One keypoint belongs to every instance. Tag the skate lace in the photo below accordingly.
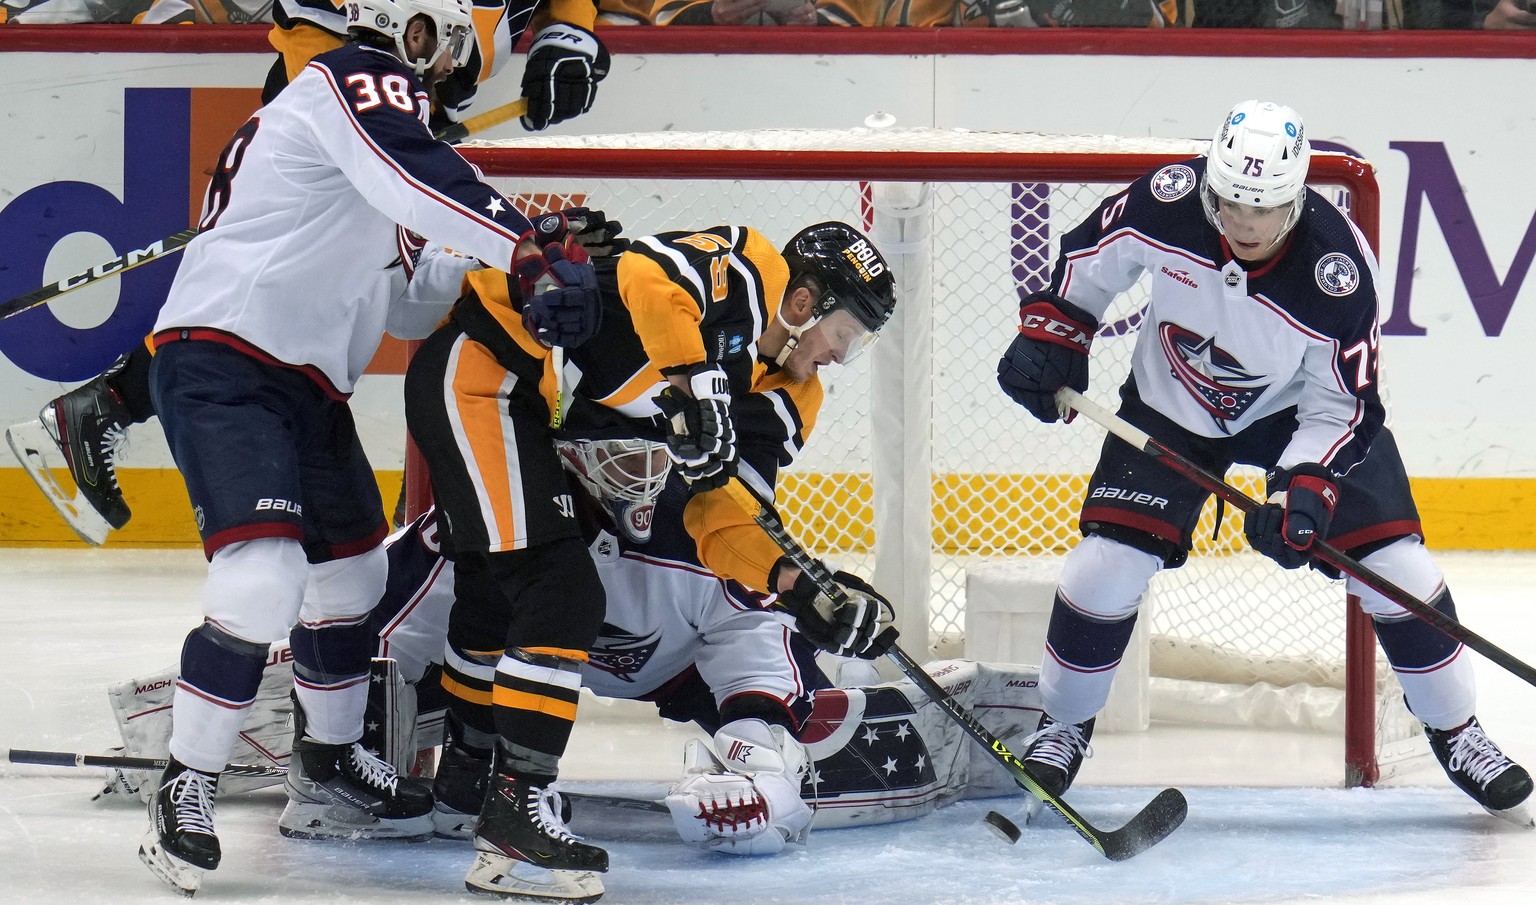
(373, 771)
(544, 808)
(1057, 744)
(114, 443)
(1476, 756)
(192, 795)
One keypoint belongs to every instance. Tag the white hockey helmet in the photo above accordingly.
(1259, 157)
(625, 476)
(452, 21)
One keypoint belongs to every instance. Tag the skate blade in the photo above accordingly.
(315, 821)
(172, 871)
(508, 878)
(32, 445)
(1519, 815)
(1034, 811)
(449, 824)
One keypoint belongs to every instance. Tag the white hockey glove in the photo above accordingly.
(701, 435)
(746, 800)
(860, 627)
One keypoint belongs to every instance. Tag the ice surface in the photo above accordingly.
(72, 622)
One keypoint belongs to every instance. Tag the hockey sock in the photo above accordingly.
(220, 675)
(1081, 656)
(330, 675)
(1437, 682)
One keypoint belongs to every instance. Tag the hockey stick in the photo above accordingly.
(120, 762)
(152, 252)
(1151, 824)
(171, 244)
(1324, 552)
(457, 132)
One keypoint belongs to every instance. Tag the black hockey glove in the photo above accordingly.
(701, 435)
(595, 232)
(561, 303)
(565, 63)
(1297, 513)
(859, 627)
(1049, 352)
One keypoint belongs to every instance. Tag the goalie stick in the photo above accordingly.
(1148, 827)
(123, 762)
(120, 762)
(1071, 399)
(154, 251)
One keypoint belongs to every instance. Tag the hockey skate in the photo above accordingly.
(1054, 753)
(523, 849)
(345, 792)
(181, 844)
(87, 427)
(459, 788)
(1477, 766)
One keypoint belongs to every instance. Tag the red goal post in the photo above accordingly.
(919, 470)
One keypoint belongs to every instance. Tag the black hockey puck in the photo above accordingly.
(1004, 828)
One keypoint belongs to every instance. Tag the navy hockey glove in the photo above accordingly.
(701, 435)
(1297, 513)
(561, 302)
(859, 627)
(1049, 352)
(565, 63)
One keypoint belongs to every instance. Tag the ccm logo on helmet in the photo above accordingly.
(865, 258)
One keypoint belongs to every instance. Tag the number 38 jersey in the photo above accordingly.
(296, 260)
(1221, 346)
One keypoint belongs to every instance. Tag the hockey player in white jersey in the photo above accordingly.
(278, 306)
(1258, 346)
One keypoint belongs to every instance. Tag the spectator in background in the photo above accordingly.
(734, 12)
(1452, 14)
(625, 12)
(1266, 14)
(1001, 13)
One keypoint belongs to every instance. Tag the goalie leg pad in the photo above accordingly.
(742, 798)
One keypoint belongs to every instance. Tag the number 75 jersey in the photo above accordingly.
(1222, 346)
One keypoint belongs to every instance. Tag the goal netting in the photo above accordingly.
(920, 471)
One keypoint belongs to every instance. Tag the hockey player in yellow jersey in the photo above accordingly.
(710, 340)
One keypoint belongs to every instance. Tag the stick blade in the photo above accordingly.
(1151, 825)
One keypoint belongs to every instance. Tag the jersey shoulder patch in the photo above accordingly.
(1173, 182)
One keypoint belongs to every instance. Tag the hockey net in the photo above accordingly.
(919, 470)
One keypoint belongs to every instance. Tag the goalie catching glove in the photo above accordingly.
(701, 436)
(1297, 514)
(565, 63)
(742, 797)
(561, 302)
(1049, 352)
(858, 627)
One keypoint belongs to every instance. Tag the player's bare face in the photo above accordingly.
(1253, 232)
(838, 337)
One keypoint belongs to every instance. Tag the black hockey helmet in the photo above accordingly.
(852, 272)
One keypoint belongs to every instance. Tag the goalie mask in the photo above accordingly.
(854, 281)
(1256, 171)
(625, 476)
(452, 24)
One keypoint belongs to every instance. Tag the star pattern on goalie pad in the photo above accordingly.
(495, 207)
(887, 753)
